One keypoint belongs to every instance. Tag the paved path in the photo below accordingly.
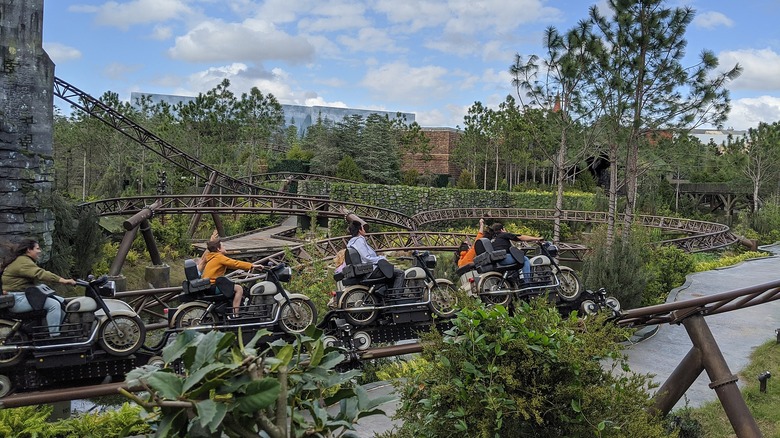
(738, 333)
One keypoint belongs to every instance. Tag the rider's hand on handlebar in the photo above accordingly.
(258, 265)
(69, 281)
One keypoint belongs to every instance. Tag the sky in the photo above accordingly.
(433, 58)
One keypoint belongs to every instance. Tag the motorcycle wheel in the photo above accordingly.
(7, 336)
(359, 298)
(123, 337)
(444, 298)
(193, 316)
(491, 282)
(296, 315)
(570, 287)
(5, 386)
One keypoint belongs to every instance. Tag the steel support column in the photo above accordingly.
(722, 381)
(196, 217)
(678, 382)
(121, 255)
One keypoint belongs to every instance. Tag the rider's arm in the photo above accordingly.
(32, 271)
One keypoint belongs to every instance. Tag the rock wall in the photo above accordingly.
(26, 117)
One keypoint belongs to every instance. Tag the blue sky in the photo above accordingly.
(434, 58)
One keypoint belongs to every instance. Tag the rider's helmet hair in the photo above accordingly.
(355, 227)
(213, 245)
(463, 247)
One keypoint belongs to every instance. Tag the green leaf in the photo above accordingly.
(207, 350)
(601, 426)
(166, 384)
(259, 395)
(210, 414)
(183, 341)
(317, 354)
(575, 406)
(444, 361)
(284, 355)
(196, 377)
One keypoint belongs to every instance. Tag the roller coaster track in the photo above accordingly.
(149, 140)
(294, 176)
(231, 204)
(701, 235)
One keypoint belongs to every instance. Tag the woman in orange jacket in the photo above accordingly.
(217, 263)
(467, 255)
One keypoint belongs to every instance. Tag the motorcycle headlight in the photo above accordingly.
(108, 290)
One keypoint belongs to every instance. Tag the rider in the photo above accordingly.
(367, 254)
(467, 254)
(22, 272)
(502, 239)
(217, 263)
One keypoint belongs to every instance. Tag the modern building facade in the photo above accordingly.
(300, 116)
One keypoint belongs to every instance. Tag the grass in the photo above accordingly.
(765, 407)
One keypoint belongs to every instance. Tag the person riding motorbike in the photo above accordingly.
(502, 240)
(217, 263)
(22, 272)
(367, 254)
(466, 255)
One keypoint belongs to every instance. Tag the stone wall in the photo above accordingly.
(26, 117)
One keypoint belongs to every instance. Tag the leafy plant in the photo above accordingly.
(243, 390)
(531, 374)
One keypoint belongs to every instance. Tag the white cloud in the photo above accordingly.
(333, 16)
(161, 33)
(252, 40)
(243, 77)
(370, 39)
(60, 53)
(711, 20)
(117, 71)
(124, 15)
(761, 68)
(748, 112)
(400, 82)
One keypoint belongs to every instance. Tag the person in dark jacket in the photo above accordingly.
(23, 272)
(502, 239)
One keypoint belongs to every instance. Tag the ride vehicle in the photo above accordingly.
(267, 305)
(499, 284)
(594, 302)
(373, 303)
(95, 327)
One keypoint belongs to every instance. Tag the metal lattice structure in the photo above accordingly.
(701, 235)
(235, 204)
(149, 140)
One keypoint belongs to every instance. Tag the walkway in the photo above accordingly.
(738, 333)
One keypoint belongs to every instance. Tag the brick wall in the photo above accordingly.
(443, 141)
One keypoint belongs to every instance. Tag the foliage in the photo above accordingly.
(32, 421)
(767, 221)
(466, 181)
(348, 169)
(619, 268)
(529, 374)
(728, 260)
(410, 177)
(401, 368)
(667, 268)
(245, 390)
(76, 241)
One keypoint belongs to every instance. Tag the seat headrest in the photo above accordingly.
(191, 270)
(483, 245)
(352, 257)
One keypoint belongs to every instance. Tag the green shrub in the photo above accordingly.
(531, 374)
(32, 422)
(620, 268)
(667, 268)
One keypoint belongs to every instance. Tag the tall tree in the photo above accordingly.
(642, 84)
(556, 82)
(762, 150)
